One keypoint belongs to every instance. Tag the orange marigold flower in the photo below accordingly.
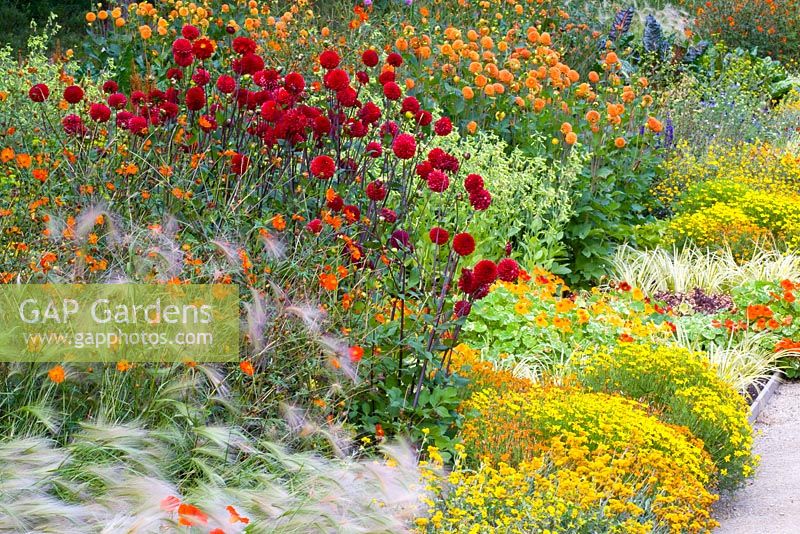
(328, 281)
(189, 515)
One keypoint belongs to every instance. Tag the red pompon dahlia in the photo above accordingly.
(473, 183)
(443, 127)
(466, 282)
(329, 59)
(190, 32)
(484, 272)
(394, 59)
(388, 215)
(201, 77)
(110, 86)
(73, 125)
(323, 167)
(400, 240)
(404, 146)
(99, 112)
(374, 149)
(117, 100)
(438, 182)
(462, 308)
(73, 94)
(386, 77)
(336, 79)
(508, 270)
(182, 52)
(392, 91)
(464, 244)
(39, 92)
(376, 191)
(244, 45)
(226, 84)
(137, 125)
(240, 163)
(370, 58)
(438, 236)
(314, 226)
(195, 98)
(480, 200)
(294, 83)
(409, 104)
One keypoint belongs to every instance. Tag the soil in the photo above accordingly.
(769, 503)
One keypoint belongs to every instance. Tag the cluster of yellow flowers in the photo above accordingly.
(686, 390)
(735, 195)
(537, 448)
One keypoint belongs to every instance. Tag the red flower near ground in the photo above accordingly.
(438, 236)
(329, 59)
(438, 182)
(239, 163)
(189, 516)
(480, 200)
(370, 58)
(39, 92)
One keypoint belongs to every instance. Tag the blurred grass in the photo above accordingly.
(16, 16)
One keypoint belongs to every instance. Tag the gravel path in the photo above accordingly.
(770, 502)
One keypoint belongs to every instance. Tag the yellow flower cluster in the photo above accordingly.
(686, 390)
(642, 470)
(735, 195)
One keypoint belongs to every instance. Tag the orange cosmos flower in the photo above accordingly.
(246, 367)
(189, 516)
(56, 374)
(328, 281)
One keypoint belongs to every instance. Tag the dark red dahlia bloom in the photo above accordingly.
(347, 97)
(390, 129)
(423, 117)
(294, 83)
(443, 127)
(329, 59)
(374, 149)
(376, 191)
(336, 79)
(392, 91)
(362, 77)
(438, 236)
(239, 163)
(244, 45)
(195, 98)
(182, 52)
(409, 104)
(508, 270)
(117, 100)
(138, 97)
(462, 308)
(394, 59)
(122, 119)
(323, 167)
(404, 146)
(369, 113)
(190, 32)
(73, 125)
(248, 64)
(438, 182)
(137, 125)
(226, 84)
(99, 112)
(201, 77)
(321, 126)
(485, 272)
(175, 74)
(473, 183)
(388, 215)
(386, 77)
(480, 200)
(481, 291)
(73, 94)
(110, 86)
(39, 92)
(466, 282)
(464, 244)
(401, 240)
(424, 168)
(314, 226)
(370, 58)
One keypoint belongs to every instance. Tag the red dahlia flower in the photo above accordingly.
(480, 200)
(443, 127)
(508, 270)
(438, 181)
(323, 167)
(376, 191)
(182, 52)
(294, 83)
(110, 86)
(438, 236)
(464, 244)
(226, 84)
(404, 146)
(195, 98)
(73, 94)
(39, 92)
(462, 308)
(473, 183)
(244, 45)
(370, 58)
(329, 59)
(203, 48)
(394, 59)
(314, 226)
(484, 272)
(392, 91)
(73, 125)
(336, 79)
(99, 112)
(190, 32)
